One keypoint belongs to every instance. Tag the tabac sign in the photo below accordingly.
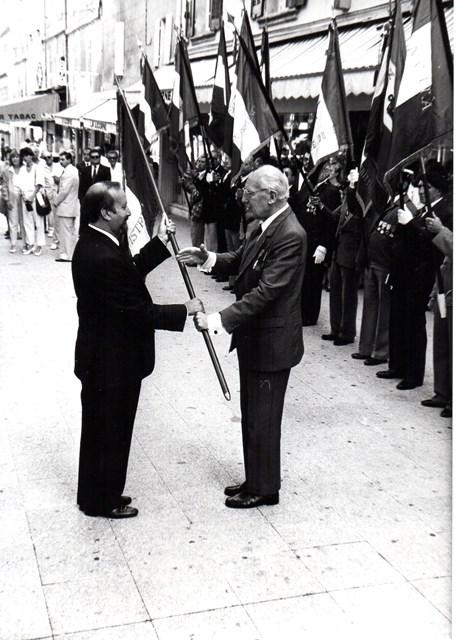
(38, 107)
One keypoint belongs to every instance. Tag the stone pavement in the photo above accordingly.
(357, 549)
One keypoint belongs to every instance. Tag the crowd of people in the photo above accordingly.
(400, 254)
(41, 195)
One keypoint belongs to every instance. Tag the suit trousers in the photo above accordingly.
(197, 232)
(408, 335)
(344, 284)
(232, 241)
(442, 354)
(66, 233)
(262, 401)
(374, 331)
(312, 292)
(108, 416)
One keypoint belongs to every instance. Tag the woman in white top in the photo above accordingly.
(11, 193)
(33, 223)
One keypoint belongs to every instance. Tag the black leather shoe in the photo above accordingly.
(372, 362)
(339, 342)
(434, 402)
(388, 374)
(228, 288)
(234, 489)
(446, 412)
(405, 385)
(118, 513)
(359, 356)
(248, 501)
(328, 336)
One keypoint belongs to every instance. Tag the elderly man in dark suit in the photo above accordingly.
(115, 344)
(265, 323)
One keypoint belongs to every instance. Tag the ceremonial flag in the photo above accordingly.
(265, 60)
(254, 117)
(370, 188)
(153, 114)
(332, 131)
(184, 110)
(140, 196)
(423, 108)
(221, 94)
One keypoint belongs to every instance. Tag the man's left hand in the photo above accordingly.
(433, 224)
(201, 321)
(165, 228)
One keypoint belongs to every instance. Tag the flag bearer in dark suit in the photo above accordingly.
(265, 323)
(115, 344)
(414, 265)
(344, 272)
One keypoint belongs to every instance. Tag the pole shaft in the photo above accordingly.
(174, 244)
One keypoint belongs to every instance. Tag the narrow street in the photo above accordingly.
(357, 549)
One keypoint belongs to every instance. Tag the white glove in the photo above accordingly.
(209, 177)
(404, 216)
(353, 177)
(319, 254)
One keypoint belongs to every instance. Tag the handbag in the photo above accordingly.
(43, 206)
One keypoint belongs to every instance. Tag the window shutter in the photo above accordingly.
(215, 15)
(156, 44)
(257, 8)
(292, 4)
(190, 18)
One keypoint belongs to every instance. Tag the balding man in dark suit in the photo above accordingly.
(115, 344)
(265, 324)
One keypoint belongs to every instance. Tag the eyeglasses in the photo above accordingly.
(249, 193)
(94, 157)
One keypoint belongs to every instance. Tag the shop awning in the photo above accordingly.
(38, 107)
(72, 116)
(98, 112)
(102, 118)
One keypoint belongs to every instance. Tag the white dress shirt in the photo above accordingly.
(105, 233)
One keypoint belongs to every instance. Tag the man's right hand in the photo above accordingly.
(193, 306)
(193, 256)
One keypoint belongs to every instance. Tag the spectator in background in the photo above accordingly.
(85, 162)
(67, 208)
(115, 166)
(11, 193)
(96, 172)
(33, 223)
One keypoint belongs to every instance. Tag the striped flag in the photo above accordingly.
(423, 109)
(184, 110)
(254, 117)
(221, 94)
(153, 114)
(140, 198)
(332, 131)
(370, 188)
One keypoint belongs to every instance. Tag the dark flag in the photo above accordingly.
(139, 191)
(423, 109)
(153, 114)
(221, 94)
(184, 110)
(371, 191)
(332, 130)
(254, 117)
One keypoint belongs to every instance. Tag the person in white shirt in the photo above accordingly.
(33, 223)
(67, 208)
(11, 194)
(115, 166)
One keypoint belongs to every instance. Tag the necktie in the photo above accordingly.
(94, 172)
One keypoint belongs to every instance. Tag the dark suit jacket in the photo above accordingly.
(85, 178)
(117, 317)
(265, 320)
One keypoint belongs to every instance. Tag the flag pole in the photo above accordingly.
(174, 244)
